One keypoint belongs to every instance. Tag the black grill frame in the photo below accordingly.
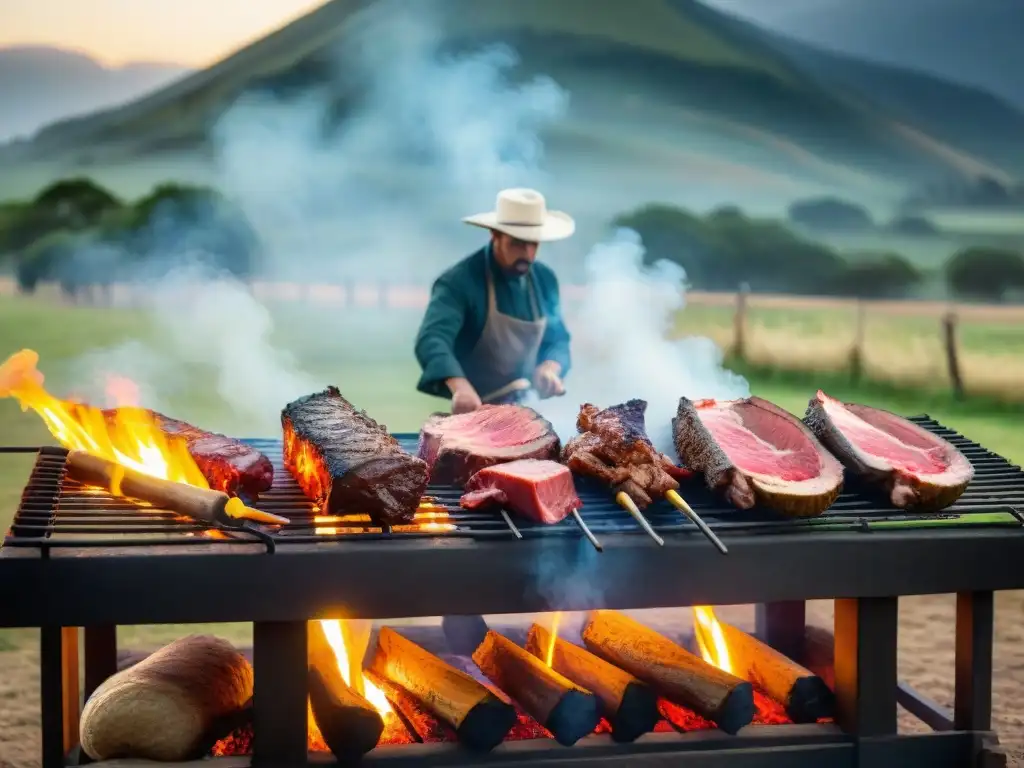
(46, 583)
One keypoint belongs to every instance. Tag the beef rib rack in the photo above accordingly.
(456, 447)
(920, 471)
(757, 453)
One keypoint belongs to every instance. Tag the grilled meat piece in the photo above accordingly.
(537, 489)
(456, 447)
(613, 447)
(347, 463)
(229, 465)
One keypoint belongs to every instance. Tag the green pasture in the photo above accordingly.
(380, 379)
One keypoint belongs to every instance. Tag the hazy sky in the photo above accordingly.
(192, 32)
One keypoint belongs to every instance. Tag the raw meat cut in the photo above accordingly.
(757, 453)
(613, 447)
(919, 470)
(228, 465)
(538, 489)
(457, 447)
(347, 463)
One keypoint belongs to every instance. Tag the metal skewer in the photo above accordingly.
(586, 531)
(679, 503)
(624, 501)
(510, 524)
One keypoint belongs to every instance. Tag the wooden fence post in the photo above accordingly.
(857, 350)
(739, 339)
(949, 326)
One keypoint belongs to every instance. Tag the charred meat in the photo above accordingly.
(457, 447)
(347, 463)
(228, 465)
(612, 446)
(754, 452)
(918, 470)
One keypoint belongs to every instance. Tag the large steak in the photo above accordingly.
(347, 463)
(538, 489)
(919, 470)
(757, 453)
(457, 447)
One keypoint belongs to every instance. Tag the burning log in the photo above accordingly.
(349, 724)
(567, 710)
(671, 669)
(167, 706)
(630, 706)
(805, 696)
(480, 719)
(202, 504)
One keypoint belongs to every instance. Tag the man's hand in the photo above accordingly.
(464, 396)
(547, 379)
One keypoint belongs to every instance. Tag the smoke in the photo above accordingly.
(363, 178)
(622, 346)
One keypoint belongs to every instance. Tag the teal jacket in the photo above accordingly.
(457, 311)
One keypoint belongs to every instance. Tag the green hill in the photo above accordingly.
(668, 85)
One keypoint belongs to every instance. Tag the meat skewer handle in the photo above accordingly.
(679, 503)
(586, 531)
(624, 501)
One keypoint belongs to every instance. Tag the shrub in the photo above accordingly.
(830, 214)
(879, 276)
(984, 273)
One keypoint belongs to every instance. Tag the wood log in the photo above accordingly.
(166, 706)
(671, 670)
(350, 725)
(481, 720)
(805, 696)
(567, 710)
(629, 705)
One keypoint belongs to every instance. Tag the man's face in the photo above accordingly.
(514, 256)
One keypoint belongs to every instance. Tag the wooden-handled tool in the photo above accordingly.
(202, 504)
(519, 385)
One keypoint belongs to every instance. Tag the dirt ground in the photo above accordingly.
(925, 661)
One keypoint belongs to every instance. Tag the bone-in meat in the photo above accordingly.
(228, 465)
(347, 463)
(612, 446)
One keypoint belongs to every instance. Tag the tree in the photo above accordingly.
(830, 214)
(878, 276)
(75, 203)
(984, 273)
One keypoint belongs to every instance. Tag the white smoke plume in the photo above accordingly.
(621, 345)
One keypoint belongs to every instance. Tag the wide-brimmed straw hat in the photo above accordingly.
(524, 214)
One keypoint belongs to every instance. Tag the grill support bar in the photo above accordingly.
(975, 613)
(100, 647)
(59, 699)
(280, 689)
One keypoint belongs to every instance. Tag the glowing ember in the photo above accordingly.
(129, 436)
(429, 517)
(710, 638)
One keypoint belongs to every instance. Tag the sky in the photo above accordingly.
(190, 32)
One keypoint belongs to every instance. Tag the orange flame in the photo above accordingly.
(129, 436)
(340, 634)
(429, 517)
(549, 657)
(710, 638)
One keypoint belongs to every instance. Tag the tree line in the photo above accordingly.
(727, 248)
(78, 234)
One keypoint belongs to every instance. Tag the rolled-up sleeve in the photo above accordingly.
(555, 345)
(435, 342)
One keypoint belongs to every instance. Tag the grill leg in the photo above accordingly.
(59, 693)
(972, 710)
(280, 719)
(783, 626)
(866, 634)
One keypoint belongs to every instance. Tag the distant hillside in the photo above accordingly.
(671, 81)
(974, 42)
(40, 85)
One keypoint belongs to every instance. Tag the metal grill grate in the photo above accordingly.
(55, 512)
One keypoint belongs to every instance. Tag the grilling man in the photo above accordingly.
(493, 327)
